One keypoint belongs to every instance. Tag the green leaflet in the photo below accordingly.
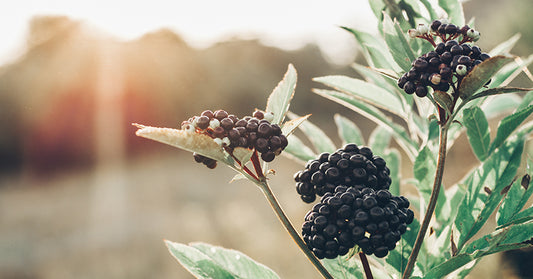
(344, 267)
(393, 158)
(397, 43)
(477, 130)
(399, 256)
(298, 150)
(511, 204)
(454, 9)
(374, 50)
(501, 104)
(498, 171)
(508, 125)
(280, 99)
(348, 131)
(480, 74)
(506, 46)
(373, 114)
(379, 140)
(207, 261)
(318, 138)
(366, 92)
(508, 72)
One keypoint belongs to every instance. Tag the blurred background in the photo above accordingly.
(82, 197)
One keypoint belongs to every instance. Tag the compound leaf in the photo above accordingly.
(207, 261)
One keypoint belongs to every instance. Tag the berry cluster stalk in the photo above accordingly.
(366, 266)
(432, 201)
(290, 228)
(262, 183)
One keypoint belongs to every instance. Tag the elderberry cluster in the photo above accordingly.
(447, 64)
(252, 132)
(349, 166)
(372, 219)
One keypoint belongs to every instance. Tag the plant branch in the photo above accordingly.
(290, 229)
(366, 266)
(432, 201)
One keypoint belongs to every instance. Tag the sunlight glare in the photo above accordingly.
(287, 24)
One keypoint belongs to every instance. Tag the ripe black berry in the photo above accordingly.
(372, 220)
(350, 166)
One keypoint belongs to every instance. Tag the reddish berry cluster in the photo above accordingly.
(373, 220)
(351, 166)
(449, 31)
(252, 132)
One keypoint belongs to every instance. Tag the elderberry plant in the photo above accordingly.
(426, 83)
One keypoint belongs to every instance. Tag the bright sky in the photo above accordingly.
(283, 23)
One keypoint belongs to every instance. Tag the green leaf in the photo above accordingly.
(508, 125)
(431, 10)
(528, 192)
(510, 207)
(480, 74)
(498, 171)
(424, 170)
(397, 43)
(289, 126)
(519, 233)
(523, 216)
(348, 131)
(374, 50)
(343, 267)
(207, 261)
(316, 136)
(508, 238)
(393, 159)
(526, 101)
(510, 71)
(365, 91)
(477, 130)
(501, 104)
(399, 256)
(450, 266)
(505, 47)
(400, 135)
(379, 140)
(298, 150)
(454, 9)
(372, 75)
(377, 6)
(280, 99)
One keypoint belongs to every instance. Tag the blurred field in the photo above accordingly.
(111, 223)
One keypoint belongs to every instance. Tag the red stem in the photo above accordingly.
(257, 164)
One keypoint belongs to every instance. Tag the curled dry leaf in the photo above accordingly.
(193, 142)
(525, 181)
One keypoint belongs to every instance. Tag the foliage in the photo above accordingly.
(498, 185)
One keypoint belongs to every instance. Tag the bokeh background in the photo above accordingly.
(82, 197)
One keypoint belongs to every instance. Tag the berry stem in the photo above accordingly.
(245, 168)
(366, 266)
(257, 165)
(432, 201)
(290, 228)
